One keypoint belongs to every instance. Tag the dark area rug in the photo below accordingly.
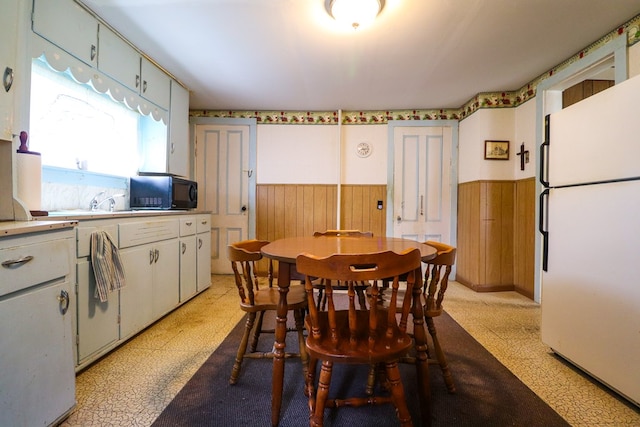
(488, 394)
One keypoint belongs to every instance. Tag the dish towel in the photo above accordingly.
(107, 265)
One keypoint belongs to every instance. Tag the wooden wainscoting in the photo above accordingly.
(485, 235)
(289, 210)
(496, 235)
(359, 211)
(524, 236)
(294, 210)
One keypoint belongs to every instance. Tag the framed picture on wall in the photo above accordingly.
(496, 150)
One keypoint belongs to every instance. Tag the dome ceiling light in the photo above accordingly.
(354, 13)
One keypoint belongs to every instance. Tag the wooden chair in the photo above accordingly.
(318, 285)
(436, 281)
(344, 233)
(351, 336)
(256, 300)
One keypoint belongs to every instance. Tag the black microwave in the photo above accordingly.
(162, 192)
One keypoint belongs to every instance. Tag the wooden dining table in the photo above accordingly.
(285, 252)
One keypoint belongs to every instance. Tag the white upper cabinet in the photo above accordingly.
(119, 60)
(179, 131)
(67, 25)
(154, 84)
(8, 35)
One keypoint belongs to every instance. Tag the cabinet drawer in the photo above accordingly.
(204, 223)
(29, 265)
(139, 233)
(84, 238)
(187, 226)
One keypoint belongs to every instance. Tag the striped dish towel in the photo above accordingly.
(107, 265)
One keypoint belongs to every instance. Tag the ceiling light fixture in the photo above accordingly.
(355, 13)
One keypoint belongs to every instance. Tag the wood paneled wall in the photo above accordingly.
(524, 234)
(358, 209)
(294, 210)
(289, 210)
(495, 235)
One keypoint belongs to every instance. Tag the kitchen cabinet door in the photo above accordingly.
(118, 59)
(155, 84)
(97, 326)
(178, 148)
(136, 295)
(166, 278)
(67, 25)
(188, 286)
(8, 35)
(204, 252)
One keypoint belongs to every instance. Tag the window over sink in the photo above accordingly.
(76, 127)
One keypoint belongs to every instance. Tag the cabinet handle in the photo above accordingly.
(199, 243)
(13, 263)
(157, 255)
(184, 248)
(63, 298)
(144, 86)
(7, 79)
(151, 256)
(204, 222)
(189, 223)
(173, 148)
(93, 52)
(137, 81)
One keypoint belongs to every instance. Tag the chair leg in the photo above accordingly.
(310, 379)
(242, 348)
(256, 333)
(302, 347)
(397, 393)
(442, 361)
(316, 418)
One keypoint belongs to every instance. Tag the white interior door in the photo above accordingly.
(223, 172)
(422, 183)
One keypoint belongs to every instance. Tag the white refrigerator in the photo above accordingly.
(590, 225)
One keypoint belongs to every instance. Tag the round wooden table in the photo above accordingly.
(285, 252)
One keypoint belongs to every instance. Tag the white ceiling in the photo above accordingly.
(419, 54)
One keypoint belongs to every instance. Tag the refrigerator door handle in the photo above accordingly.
(544, 151)
(541, 227)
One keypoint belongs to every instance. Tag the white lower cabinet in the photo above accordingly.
(97, 325)
(160, 274)
(204, 251)
(150, 255)
(37, 378)
(188, 244)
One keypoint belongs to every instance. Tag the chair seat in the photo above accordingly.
(267, 299)
(358, 351)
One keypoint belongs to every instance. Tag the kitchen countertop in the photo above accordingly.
(14, 228)
(87, 215)
(70, 218)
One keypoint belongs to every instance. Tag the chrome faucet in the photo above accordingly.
(94, 204)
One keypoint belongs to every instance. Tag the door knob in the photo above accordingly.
(244, 208)
(398, 218)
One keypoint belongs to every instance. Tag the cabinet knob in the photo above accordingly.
(7, 78)
(63, 299)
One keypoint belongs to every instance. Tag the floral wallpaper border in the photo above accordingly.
(482, 100)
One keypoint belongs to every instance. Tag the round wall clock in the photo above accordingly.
(363, 149)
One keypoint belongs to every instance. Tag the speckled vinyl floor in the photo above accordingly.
(132, 385)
